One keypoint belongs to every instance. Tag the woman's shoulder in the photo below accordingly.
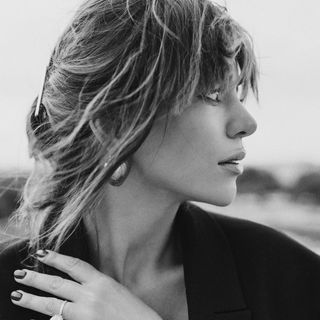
(269, 257)
(260, 239)
(12, 257)
(242, 231)
(12, 253)
(274, 270)
(255, 243)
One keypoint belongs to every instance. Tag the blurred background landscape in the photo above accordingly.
(265, 195)
(280, 186)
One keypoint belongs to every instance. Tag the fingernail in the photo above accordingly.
(19, 274)
(41, 253)
(16, 295)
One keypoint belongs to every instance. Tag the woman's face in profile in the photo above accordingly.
(186, 160)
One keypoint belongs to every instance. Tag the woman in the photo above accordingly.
(141, 112)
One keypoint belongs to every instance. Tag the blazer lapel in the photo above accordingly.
(212, 286)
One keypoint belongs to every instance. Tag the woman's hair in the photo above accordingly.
(118, 67)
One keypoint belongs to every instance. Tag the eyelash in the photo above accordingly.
(217, 100)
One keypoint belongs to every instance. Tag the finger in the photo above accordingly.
(76, 268)
(55, 285)
(45, 305)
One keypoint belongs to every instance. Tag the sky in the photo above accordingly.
(287, 43)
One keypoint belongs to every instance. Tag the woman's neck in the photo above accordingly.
(131, 234)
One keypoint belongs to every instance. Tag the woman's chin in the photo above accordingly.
(224, 203)
(219, 195)
(223, 197)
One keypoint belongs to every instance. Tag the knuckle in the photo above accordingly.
(56, 283)
(105, 281)
(72, 262)
(67, 312)
(91, 299)
(51, 306)
(111, 283)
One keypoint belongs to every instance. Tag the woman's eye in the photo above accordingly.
(213, 97)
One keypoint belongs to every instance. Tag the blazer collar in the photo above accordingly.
(212, 287)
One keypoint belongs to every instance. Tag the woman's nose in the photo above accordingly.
(241, 123)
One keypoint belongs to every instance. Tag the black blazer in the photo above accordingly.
(234, 270)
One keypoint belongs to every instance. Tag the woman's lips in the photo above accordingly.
(232, 164)
(233, 167)
(235, 157)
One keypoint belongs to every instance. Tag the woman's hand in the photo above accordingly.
(92, 296)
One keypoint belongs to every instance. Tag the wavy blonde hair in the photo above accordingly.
(119, 66)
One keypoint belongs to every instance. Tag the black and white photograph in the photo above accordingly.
(159, 160)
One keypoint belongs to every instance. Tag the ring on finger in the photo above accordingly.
(59, 316)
